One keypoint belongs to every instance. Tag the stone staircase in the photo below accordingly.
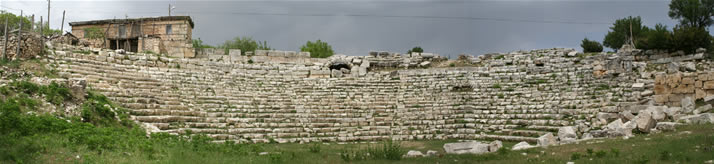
(516, 98)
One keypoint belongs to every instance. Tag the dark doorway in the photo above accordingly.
(131, 45)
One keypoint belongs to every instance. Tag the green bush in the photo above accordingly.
(315, 147)
(658, 38)
(317, 49)
(245, 44)
(389, 150)
(688, 39)
(591, 46)
(416, 49)
(198, 44)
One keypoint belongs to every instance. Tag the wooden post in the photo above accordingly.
(48, 14)
(141, 33)
(19, 36)
(62, 27)
(4, 45)
(32, 24)
(42, 26)
(117, 40)
(42, 36)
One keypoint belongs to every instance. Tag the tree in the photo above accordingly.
(658, 38)
(591, 46)
(13, 22)
(198, 44)
(317, 49)
(693, 13)
(688, 38)
(245, 44)
(415, 49)
(620, 32)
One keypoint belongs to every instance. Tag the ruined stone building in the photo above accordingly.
(166, 35)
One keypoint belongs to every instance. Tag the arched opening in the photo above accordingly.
(339, 66)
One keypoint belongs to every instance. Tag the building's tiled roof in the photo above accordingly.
(121, 21)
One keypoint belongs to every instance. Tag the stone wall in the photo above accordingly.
(671, 89)
(272, 96)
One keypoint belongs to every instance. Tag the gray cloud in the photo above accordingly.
(355, 27)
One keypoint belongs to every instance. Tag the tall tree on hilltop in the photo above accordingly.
(693, 13)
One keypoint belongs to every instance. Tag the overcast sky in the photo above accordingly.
(355, 27)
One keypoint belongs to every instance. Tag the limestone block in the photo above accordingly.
(472, 147)
(522, 146)
(708, 85)
(336, 73)
(261, 53)
(702, 109)
(547, 140)
(660, 99)
(567, 132)
(645, 122)
(703, 118)
(413, 153)
(687, 105)
(666, 126)
(234, 52)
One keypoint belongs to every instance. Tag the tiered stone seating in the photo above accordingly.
(511, 98)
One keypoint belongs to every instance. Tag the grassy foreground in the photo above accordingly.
(103, 134)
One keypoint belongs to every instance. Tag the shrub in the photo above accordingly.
(198, 44)
(317, 49)
(688, 39)
(575, 156)
(388, 150)
(591, 46)
(415, 49)
(315, 147)
(245, 44)
(658, 38)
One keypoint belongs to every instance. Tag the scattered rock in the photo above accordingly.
(413, 153)
(666, 126)
(645, 122)
(687, 105)
(688, 67)
(494, 146)
(430, 153)
(263, 153)
(572, 53)
(701, 50)
(703, 109)
(672, 111)
(522, 145)
(547, 140)
(567, 132)
(709, 99)
(698, 119)
(424, 64)
(472, 147)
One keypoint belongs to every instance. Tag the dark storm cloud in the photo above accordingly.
(354, 27)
